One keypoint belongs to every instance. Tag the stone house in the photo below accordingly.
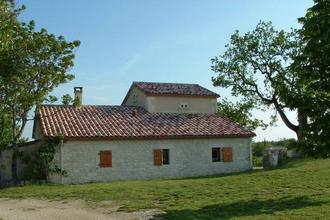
(161, 130)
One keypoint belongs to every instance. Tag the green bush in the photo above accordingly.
(38, 165)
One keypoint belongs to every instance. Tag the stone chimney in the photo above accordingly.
(78, 96)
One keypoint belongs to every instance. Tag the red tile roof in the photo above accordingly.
(174, 89)
(123, 122)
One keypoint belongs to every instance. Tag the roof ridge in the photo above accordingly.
(168, 88)
(166, 83)
(60, 105)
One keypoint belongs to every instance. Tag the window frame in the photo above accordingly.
(167, 160)
(161, 156)
(218, 159)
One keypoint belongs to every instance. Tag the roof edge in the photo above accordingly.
(128, 93)
(158, 137)
(135, 84)
(183, 95)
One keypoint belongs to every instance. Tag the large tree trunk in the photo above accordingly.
(302, 120)
(14, 146)
(302, 123)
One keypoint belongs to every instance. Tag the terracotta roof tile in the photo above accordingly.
(174, 89)
(120, 122)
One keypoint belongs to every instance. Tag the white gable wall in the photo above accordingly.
(139, 100)
(172, 104)
(133, 159)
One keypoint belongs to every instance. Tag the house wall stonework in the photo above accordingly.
(133, 159)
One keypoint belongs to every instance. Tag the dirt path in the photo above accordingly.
(33, 209)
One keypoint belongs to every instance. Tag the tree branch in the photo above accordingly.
(256, 88)
(285, 119)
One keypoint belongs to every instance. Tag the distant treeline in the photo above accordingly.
(258, 147)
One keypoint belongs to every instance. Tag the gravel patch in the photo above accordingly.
(34, 209)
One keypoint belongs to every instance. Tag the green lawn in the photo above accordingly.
(300, 190)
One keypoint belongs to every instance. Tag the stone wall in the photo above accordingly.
(133, 159)
(6, 158)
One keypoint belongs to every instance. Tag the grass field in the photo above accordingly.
(300, 190)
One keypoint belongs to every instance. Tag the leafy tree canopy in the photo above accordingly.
(32, 63)
(313, 67)
(256, 66)
(285, 71)
(240, 112)
(67, 99)
(5, 131)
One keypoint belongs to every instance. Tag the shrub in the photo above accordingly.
(257, 161)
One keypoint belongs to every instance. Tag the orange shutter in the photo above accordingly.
(106, 158)
(157, 157)
(227, 154)
(110, 158)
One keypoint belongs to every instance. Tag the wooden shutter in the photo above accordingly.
(106, 158)
(227, 154)
(157, 157)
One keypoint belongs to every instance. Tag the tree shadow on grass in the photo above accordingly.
(239, 209)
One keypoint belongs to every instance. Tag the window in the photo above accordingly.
(224, 154)
(105, 158)
(216, 157)
(161, 157)
(184, 105)
(166, 156)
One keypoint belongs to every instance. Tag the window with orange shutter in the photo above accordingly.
(105, 158)
(161, 157)
(227, 154)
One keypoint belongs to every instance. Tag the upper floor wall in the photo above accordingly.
(171, 103)
(168, 104)
(135, 97)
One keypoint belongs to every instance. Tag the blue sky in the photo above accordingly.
(153, 40)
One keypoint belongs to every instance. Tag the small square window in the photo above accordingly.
(216, 156)
(184, 105)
